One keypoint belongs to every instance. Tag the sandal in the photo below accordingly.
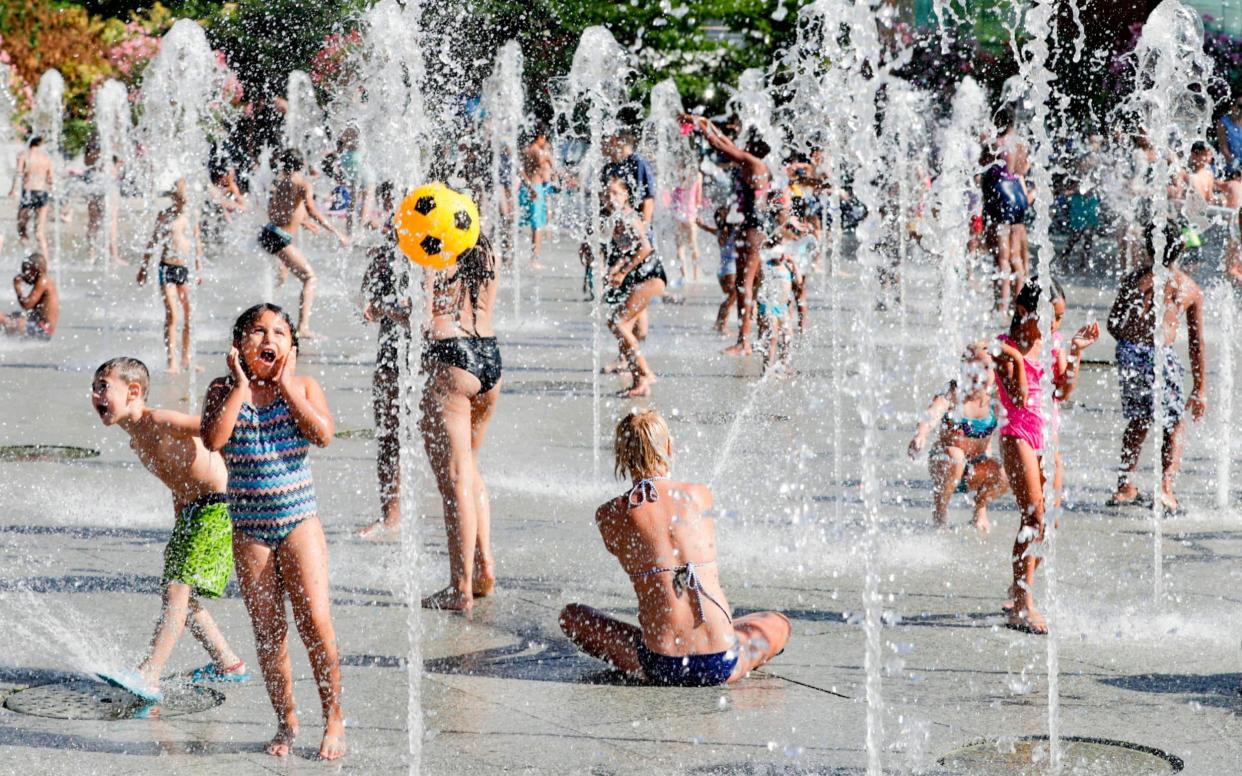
(132, 683)
(209, 673)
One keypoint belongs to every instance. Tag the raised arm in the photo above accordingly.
(307, 403)
(1011, 373)
(1065, 372)
(30, 300)
(179, 423)
(313, 212)
(721, 142)
(935, 411)
(223, 403)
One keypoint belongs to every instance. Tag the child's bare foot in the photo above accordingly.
(380, 531)
(333, 745)
(616, 367)
(1128, 495)
(282, 743)
(980, 521)
(307, 334)
(1169, 504)
(537, 265)
(640, 389)
(1027, 621)
(173, 369)
(450, 599)
(738, 349)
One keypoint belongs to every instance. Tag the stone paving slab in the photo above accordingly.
(506, 692)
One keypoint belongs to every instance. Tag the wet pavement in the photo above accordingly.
(81, 543)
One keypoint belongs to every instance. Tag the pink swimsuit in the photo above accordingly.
(1025, 422)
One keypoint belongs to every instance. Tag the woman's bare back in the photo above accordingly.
(655, 541)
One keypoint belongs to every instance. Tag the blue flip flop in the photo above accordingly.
(132, 683)
(209, 673)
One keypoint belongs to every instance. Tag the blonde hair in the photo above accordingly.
(641, 445)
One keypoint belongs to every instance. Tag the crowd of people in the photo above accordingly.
(239, 475)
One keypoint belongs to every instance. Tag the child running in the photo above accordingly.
(199, 557)
(635, 277)
(965, 418)
(292, 203)
(38, 300)
(264, 418)
(665, 542)
(1132, 322)
(177, 239)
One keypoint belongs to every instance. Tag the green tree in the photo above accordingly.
(264, 40)
(699, 43)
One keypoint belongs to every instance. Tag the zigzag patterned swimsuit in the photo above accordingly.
(270, 486)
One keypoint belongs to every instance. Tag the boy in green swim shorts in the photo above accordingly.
(199, 556)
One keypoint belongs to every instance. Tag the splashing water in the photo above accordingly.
(502, 101)
(596, 81)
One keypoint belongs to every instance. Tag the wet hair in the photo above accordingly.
(1199, 147)
(36, 140)
(1028, 297)
(756, 145)
(474, 268)
(641, 445)
(127, 369)
(625, 136)
(1005, 118)
(1173, 242)
(38, 260)
(247, 319)
(290, 160)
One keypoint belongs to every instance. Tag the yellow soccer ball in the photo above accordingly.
(435, 225)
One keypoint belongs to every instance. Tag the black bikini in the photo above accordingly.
(480, 356)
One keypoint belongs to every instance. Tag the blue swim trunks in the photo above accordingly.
(1136, 373)
(534, 204)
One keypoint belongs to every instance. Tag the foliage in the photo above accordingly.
(699, 43)
(940, 71)
(335, 64)
(264, 40)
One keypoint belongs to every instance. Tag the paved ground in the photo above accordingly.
(80, 547)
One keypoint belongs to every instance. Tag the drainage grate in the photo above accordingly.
(45, 453)
(355, 433)
(1079, 756)
(85, 699)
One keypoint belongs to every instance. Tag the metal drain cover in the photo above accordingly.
(45, 453)
(355, 433)
(1079, 757)
(724, 418)
(84, 699)
(548, 387)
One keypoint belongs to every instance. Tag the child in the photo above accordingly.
(384, 288)
(264, 418)
(292, 206)
(660, 534)
(965, 418)
(1132, 322)
(199, 556)
(1022, 442)
(177, 238)
(726, 237)
(635, 277)
(40, 305)
(776, 286)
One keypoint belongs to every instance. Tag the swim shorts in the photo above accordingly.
(710, 670)
(36, 329)
(1137, 374)
(200, 552)
(176, 274)
(273, 239)
(33, 200)
(534, 204)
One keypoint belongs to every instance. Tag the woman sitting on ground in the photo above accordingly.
(664, 541)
